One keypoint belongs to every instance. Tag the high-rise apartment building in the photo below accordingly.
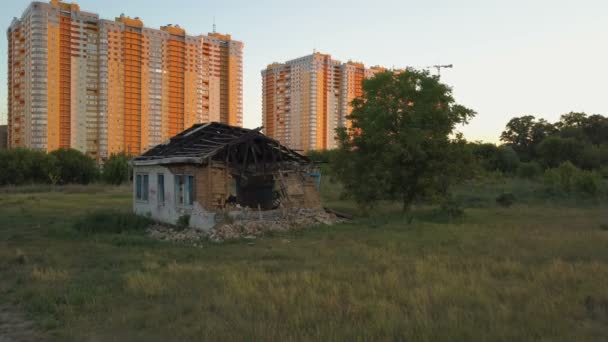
(306, 99)
(108, 86)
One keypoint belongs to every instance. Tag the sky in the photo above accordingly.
(510, 58)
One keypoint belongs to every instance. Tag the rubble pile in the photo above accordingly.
(247, 225)
(191, 236)
(290, 219)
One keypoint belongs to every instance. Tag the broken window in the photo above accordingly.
(141, 187)
(256, 192)
(184, 189)
(161, 188)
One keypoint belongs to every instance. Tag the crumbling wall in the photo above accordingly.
(169, 211)
(213, 189)
(213, 186)
(312, 197)
(298, 190)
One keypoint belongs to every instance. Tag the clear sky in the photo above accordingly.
(510, 57)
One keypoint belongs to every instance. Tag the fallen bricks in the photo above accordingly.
(248, 225)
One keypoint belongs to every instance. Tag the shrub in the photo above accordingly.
(505, 199)
(562, 177)
(75, 166)
(590, 158)
(567, 179)
(507, 160)
(588, 183)
(529, 170)
(451, 208)
(604, 172)
(111, 221)
(486, 155)
(21, 166)
(554, 151)
(183, 221)
(116, 169)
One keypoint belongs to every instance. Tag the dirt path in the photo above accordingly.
(14, 327)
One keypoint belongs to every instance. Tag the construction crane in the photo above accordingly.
(439, 67)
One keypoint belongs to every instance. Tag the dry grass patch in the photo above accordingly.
(49, 274)
(148, 284)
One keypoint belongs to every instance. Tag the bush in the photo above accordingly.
(567, 178)
(588, 183)
(486, 155)
(590, 158)
(22, 166)
(111, 221)
(529, 170)
(604, 172)
(183, 221)
(507, 159)
(116, 169)
(75, 167)
(451, 208)
(554, 151)
(506, 199)
(561, 178)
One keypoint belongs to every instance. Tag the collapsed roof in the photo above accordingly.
(238, 147)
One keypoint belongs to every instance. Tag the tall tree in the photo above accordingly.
(555, 150)
(524, 133)
(116, 169)
(595, 128)
(399, 145)
(75, 167)
(572, 119)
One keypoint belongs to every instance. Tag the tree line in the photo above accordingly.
(577, 138)
(21, 166)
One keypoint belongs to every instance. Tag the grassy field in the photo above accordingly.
(535, 271)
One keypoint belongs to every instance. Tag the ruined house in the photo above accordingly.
(212, 170)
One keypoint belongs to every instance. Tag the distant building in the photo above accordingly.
(3, 137)
(306, 99)
(108, 86)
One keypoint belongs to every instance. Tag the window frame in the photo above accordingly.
(185, 190)
(142, 187)
(160, 191)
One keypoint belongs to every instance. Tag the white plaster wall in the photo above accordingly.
(167, 212)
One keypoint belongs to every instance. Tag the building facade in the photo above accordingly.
(109, 86)
(304, 100)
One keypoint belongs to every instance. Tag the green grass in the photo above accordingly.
(535, 271)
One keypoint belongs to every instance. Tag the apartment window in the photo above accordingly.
(141, 187)
(184, 189)
(161, 188)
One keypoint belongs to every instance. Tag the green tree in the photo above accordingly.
(15, 166)
(399, 145)
(486, 155)
(595, 128)
(572, 119)
(75, 167)
(20, 166)
(554, 151)
(507, 159)
(525, 133)
(529, 170)
(116, 169)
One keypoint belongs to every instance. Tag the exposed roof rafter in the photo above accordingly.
(203, 142)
